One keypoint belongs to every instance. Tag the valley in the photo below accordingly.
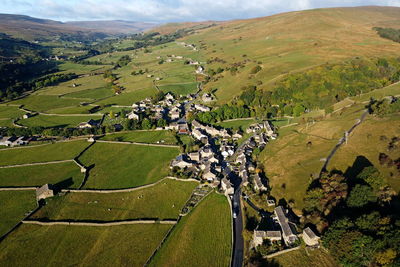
(204, 144)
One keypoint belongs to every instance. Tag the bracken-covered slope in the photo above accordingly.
(292, 42)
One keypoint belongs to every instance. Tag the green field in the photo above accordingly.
(236, 124)
(127, 245)
(143, 137)
(43, 103)
(317, 257)
(200, 239)
(11, 112)
(124, 166)
(179, 89)
(290, 163)
(14, 206)
(41, 174)
(82, 84)
(161, 201)
(57, 121)
(128, 98)
(367, 141)
(42, 153)
(79, 68)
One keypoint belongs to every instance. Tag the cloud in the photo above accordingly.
(168, 10)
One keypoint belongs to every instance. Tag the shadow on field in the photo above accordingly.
(359, 164)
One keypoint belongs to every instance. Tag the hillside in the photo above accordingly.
(290, 42)
(30, 28)
(113, 26)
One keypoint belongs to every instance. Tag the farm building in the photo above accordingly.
(44, 192)
(310, 238)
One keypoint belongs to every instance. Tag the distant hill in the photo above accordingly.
(113, 26)
(289, 42)
(30, 28)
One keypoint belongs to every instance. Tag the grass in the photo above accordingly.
(43, 153)
(127, 245)
(57, 121)
(202, 238)
(41, 174)
(128, 98)
(283, 45)
(162, 201)
(79, 68)
(301, 257)
(143, 137)
(83, 83)
(393, 90)
(366, 141)
(42, 103)
(124, 166)
(180, 89)
(95, 93)
(14, 206)
(290, 164)
(236, 124)
(11, 112)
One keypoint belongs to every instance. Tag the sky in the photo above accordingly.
(162, 11)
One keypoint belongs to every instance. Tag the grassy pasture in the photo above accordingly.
(71, 110)
(83, 83)
(391, 90)
(14, 206)
(200, 238)
(57, 121)
(43, 103)
(317, 257)
(289, 163)
(236, 124)
(179, 89)
(123, 166)
(366, 141)
(281, 45)
(128, 98)
(162, 201)
(41, 174)
(79, 68)
(143, 137)
(96, 93)
(6, 122)
(11, 112)
(42, 153)
(126, 245)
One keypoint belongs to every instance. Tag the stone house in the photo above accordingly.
(310, 238)
(288, 235)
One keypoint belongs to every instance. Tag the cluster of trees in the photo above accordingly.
(224, 112)
(389, 33)
(384, 107)
(358, 217)
(53, 79)
(123, 61)
(321, 87)
(20, 63)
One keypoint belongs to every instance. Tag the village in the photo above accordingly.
(223, 160)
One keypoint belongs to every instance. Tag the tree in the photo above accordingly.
(360, 195)
(386, 257)
(146, 124)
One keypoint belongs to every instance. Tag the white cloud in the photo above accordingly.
(168, 10)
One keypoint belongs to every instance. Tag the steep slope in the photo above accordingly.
(291, 42)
